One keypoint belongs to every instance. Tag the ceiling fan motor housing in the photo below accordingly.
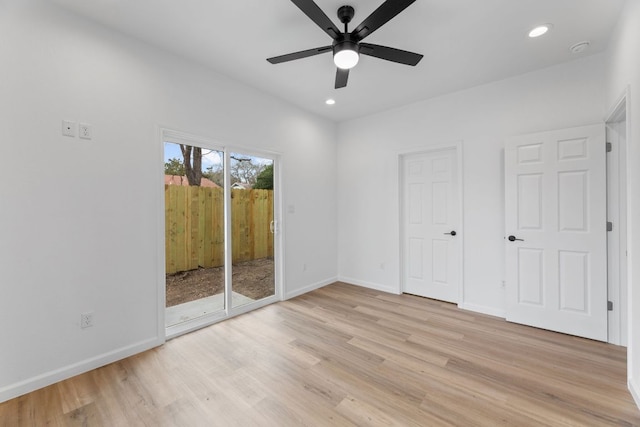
(345, 42)
(345, 14)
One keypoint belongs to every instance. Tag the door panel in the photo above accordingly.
(530, 202)
(555, 194)
(252, 229)
(430, 212)
(574, 289)
(572, 200)
(530, 276)
(440, 264)
(194, 236)
(416, 258)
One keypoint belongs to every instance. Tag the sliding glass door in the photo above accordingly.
(253, 227)
(220, 232)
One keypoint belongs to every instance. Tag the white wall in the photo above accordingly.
(623, 62)
(80, 220)
(482, 117)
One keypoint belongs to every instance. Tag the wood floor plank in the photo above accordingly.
(347, 356)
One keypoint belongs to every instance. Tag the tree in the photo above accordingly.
(244, 170)
(174, 167)
(215, 173)
(192, 163)
(264, 181)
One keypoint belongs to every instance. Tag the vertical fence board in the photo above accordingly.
(251, 230)
(181, 224)
(207, 230)
(170, 229)
(194, 227)
(240, 224)
(261, 222)
(217, 229)
(202, 227)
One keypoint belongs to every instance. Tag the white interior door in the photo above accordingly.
(430, 225)
(556, 260)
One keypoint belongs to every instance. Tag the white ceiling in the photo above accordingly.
(464, 43)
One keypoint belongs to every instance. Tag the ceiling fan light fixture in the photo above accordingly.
(345, 55)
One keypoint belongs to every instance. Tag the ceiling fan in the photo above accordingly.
(347, 46)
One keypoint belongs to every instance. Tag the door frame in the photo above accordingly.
(166, 133)
(618, 206)
(458, 147)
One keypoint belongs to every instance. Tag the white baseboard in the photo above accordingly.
(370, 285)
(491, 311)
(309, 288)
(635, 391)
(23, 387)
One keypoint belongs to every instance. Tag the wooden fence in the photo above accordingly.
(194, 226)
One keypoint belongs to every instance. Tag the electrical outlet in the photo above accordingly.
(86, 320)
(85, 131)
(304, 267)
(69, 128)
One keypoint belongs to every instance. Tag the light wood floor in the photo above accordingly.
(344, 355)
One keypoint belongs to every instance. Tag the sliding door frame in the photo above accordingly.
(277, 235)
(169, 135)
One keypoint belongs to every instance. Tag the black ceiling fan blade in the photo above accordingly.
(299, 55)
(380, 16)
(341, 77)
(390, 54)
(316, 14)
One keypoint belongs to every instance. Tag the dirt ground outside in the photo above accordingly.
(253, 279)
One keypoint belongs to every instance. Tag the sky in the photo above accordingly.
(209, 157)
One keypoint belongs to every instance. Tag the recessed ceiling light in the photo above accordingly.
(540, 30)
(580, 47)
(330, 101)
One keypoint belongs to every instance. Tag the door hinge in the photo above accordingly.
(609, 226)
(609, 147)
(610, 305)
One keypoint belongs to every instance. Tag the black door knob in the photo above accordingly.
(513, 239)
(453, 233)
